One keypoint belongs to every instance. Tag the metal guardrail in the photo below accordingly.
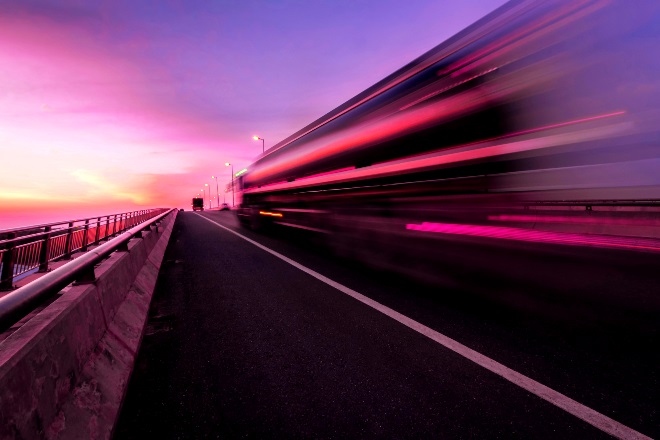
(34, 247)
(16, 304)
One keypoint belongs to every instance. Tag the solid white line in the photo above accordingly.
(569, 405)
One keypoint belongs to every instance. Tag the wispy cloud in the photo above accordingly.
(139, 103)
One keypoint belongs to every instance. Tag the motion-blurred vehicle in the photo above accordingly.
(197, 204)
(539, 119)
(224, 207)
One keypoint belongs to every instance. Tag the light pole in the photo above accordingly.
(203, 197)
(227, 164)
(263, 142)
(206, 184)
(216, 190)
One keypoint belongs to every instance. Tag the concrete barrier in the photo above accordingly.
(63, 374)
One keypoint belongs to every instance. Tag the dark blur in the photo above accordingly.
(524, 150)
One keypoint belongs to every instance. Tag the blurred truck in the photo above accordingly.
(198, 204)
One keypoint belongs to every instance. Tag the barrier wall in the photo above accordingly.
(65, 372)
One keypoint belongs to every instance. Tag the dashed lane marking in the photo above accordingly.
(591, 416)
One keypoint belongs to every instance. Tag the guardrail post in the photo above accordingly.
(86, 277)
(43, 252)
(107, 227)
(85, 237)
(7, 276)
(67, 243)
(123, 247)
(98, 230)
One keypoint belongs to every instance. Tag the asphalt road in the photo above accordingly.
(241, 344)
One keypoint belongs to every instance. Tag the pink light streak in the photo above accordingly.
(475, 150)
(567, 123)
(327, 173)
(519, 234)
(575, 220)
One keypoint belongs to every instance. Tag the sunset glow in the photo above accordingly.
(109, 108)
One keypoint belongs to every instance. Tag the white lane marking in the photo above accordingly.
(558, 399)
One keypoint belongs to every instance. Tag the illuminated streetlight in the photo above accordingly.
(206, 184)
(263, 143)
(227, 164)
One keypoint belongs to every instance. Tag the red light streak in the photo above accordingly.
(404, 122)
(475, 150)
(543, 24)
(327, 173)
(444, 89)
(564, 124)
(279, 182)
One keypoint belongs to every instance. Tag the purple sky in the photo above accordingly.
(116, 105)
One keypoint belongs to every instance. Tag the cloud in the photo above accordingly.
(139, 103)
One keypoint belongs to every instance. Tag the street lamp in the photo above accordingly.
(216, 190)
(203, 197)
(263, 142)
(227, 164)
(206, 184)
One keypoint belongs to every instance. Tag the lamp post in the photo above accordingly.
(263, 142)
(206, 184)
(216, 191)
(227, 164)
(203, 197)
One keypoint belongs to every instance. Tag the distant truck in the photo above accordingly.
(198, 204)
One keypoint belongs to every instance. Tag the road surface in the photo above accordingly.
(242, 343)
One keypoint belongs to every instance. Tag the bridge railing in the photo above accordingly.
(21, 301)
(33, 247)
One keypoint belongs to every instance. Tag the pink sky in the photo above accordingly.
(116, 107)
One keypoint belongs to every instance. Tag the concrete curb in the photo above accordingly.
(65, 372)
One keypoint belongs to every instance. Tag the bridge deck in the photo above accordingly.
(243, 344)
